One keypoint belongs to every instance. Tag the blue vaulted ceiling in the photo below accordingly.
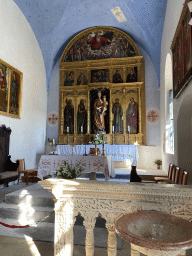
(56, 22)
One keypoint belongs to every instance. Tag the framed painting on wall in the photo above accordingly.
(10, 90)
(181, 51)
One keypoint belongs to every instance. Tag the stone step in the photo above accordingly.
(35, 214)
(44, 231)
(26, 214)
(34, 206)
(31, 196)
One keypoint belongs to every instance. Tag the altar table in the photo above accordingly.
(48, 164)
(118, 152)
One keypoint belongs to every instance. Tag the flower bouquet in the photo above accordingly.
(158, 162)
(97, 139)
(65, 171)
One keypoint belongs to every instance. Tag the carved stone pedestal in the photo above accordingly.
(109, 200)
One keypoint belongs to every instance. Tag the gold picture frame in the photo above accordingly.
(181, 51)
(11, 80)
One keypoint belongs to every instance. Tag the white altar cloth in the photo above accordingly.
(48, 164)
(118, 152)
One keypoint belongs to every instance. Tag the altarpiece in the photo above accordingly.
(102, 88)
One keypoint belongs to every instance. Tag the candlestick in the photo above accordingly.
(128, 138)
(103, 150)
(67, 135)
(81, 135)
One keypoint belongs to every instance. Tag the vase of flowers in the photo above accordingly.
(158, 162)
(97, 139)
(66, 171)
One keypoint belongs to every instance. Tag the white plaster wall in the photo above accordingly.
(20, 49)
(53, 104)
(173, 12)
(152, 99)
(147, 156)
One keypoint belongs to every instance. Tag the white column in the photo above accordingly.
(64, 221)
(134, 252)
(112, 240)
(89, 240)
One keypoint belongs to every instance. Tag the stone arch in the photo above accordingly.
(168, 79)
(169, 129)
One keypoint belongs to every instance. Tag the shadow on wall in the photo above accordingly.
(184, 136)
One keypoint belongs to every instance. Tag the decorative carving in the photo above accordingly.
(89, 223)
(4, 146)
(112, 240)
(182, 210)
(64, 221)
(111, 200)
(5, 131)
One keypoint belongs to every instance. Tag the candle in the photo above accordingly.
(67, 128)
(113, 128)
(53, 142)
(82, 128)
(128, 128)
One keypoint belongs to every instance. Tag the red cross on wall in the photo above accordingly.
(152, 116)
(53, 118)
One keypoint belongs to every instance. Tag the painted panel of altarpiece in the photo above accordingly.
(101, 88)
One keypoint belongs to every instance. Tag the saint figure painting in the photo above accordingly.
(81, 118)
(118, 113)
(69, 117)
(132, 117)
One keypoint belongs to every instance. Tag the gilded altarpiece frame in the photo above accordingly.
(10, 90)
(182, 52)
(122, 77)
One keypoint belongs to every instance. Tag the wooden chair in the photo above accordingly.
(168, 177)
(185, 177)
(177, 175)
(21, 169)
(160, 178)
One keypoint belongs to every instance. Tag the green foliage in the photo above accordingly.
(98, 139)
(65, 171)
(158, 161)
